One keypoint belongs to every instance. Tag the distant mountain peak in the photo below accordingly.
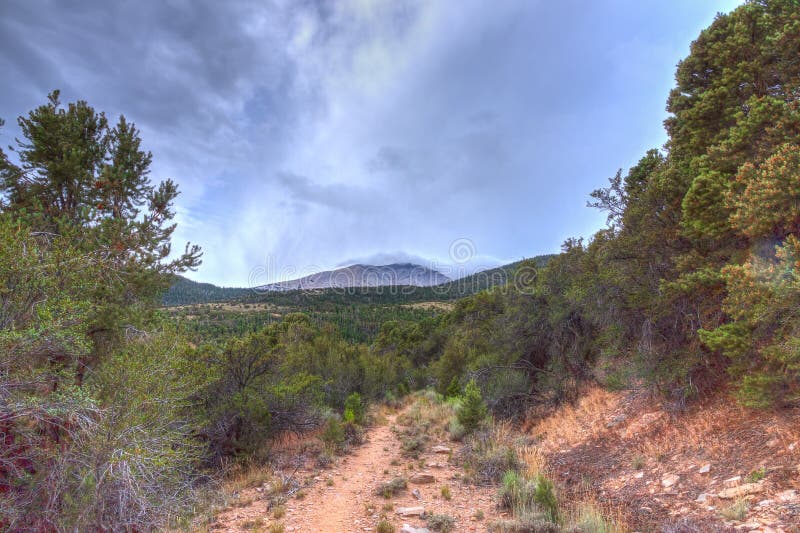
(360, 275)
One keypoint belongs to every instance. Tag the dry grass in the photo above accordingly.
(487, 455)
(533, 460)
(428, 413)
(709, 431)
(241, 477)
(570, 424)
(591, 516)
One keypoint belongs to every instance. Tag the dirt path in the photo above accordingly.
(344, 498)
(340, 506)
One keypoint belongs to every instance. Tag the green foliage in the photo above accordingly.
(472, 411)
(756, 475)
(354, 409)
(333, 435)
(453, 389)
(526, 497)
(95, 393)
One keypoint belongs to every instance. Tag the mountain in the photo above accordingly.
(187, 292)
(397, 274)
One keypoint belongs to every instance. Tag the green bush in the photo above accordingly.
(333, 435)
(473, 409)
(453, 389)
(354, 409)
(525, 496)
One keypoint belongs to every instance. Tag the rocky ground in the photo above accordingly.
(715, 467)
(345, 498)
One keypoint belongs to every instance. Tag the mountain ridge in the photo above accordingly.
(360, 275)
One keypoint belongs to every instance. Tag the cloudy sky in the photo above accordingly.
(308, 134)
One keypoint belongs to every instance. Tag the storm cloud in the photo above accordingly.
(325, 132)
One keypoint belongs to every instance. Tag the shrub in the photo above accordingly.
(488, 455)
(384, 526)
(473, 409)
(756, 475)
(333, 435)
(446, 493)
(354, 409)
(387, 489)
(453, 389)
(524, 496)
(456, 430)
(441, 522)
(545, 497)
(353, 434)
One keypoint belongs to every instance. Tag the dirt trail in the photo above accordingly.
(344, 498)
(341, 506)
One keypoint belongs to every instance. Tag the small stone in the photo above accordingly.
(411, 511)
(732, 482)
(639, 475)
(422, 478)
(773, 442)
(411, 529)
(441, 449)
(668, 480)
(415, 493)
(787, 495)
(741, 490)
(765, 503)
(703, 498)
(705, 469)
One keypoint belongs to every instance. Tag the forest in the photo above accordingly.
(115, 410)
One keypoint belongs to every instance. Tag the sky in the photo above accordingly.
(307, 134)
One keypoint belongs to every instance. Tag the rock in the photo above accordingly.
(415, 493)
(411, 511)
(732, 482)
(646, 420)
(705, 469)
(668, 480)
(411, 529)
(771, 443)
(787, 495)
(703, 498)
(741, 490)
(617, 420)
(765, 503)
(441, 449)
(422, 478)
(639, 475)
